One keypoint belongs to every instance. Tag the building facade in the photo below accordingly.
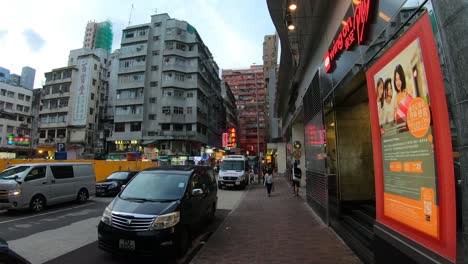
(248, 87)
(270, 55)
(14, 80)
(4, 74)
(98, 36)
(350, 90)
(229, 106)
(28, 75)
(168, 95)
(15, 120)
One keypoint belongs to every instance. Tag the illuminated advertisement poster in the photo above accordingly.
(412, 143)
(80, 111)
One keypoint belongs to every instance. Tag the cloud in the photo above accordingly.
(34, 40)
(3, 33)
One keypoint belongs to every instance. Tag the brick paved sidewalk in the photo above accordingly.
(277, 229)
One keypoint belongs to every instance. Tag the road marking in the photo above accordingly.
(48, 213)
(47, 245)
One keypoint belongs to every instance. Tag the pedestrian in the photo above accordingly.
(297, 174)
(269, 181)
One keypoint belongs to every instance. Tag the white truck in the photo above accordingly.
(234, 172)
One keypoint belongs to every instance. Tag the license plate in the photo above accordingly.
(229, 184)
(127, 244)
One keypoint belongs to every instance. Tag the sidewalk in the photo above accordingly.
(279, 229)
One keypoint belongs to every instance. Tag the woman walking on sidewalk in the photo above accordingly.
(269, 181)
(297, 173)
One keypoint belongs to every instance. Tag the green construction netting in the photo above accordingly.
(104, 36)
(191, 29)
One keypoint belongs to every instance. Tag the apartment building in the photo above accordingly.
(230, 107)
(15, 119)
(72, 103)
(248, 87)
(168, 94)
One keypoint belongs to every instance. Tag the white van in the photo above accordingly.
(39, 184)
(233, 172)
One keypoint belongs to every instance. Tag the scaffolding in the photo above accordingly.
(104, 36)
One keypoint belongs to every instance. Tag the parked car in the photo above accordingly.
(114, 182)
(159, 208)
(37, 185)
(8, 256)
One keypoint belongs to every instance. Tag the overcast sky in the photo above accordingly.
(40, 34)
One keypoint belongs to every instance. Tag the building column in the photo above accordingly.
(298, 135)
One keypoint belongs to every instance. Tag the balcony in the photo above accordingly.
(54, 110)
(171, 118)
(137, 50)
(129, 101)
(51, 141)
(180, 68)
(181, 53)
(53, 125)
(55, 95)
(129, 85)
(134, 135)
(136, 68)
(128, 118)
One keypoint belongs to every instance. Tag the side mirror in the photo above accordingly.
(123, 187)
(197, 192)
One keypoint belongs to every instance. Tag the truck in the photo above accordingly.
(234, 172)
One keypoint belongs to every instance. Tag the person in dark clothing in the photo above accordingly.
(297, 174)
(269, 181)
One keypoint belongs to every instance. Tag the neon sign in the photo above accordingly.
(225, 140)
(353, 31)
(232, 138)
(21, 141)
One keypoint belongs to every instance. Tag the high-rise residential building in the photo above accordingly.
(4, 74)
(168, 95)
(98, 36)
(15, 119)
(230, 107)
(27, 77)
(270, 54)
(248, 87)
(72, 103)
(14, 80)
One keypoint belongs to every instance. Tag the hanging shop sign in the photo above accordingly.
(232, 140)
(415, 192)
(19, 141)
(353, 32)
(126, 142)
(225, 139)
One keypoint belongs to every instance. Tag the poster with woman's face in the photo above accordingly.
(397, 85)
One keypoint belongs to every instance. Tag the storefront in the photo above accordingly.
(378, 138)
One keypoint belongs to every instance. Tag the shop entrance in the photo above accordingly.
(349, 158)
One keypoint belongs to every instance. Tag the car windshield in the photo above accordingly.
(11, 172)
(156, 186)
(118, 176)
(232, 165)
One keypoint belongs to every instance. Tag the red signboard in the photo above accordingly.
(414, 178)
(232, 141)
(353, 31)
(225, 140)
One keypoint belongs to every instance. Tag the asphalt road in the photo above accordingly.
(67, 233)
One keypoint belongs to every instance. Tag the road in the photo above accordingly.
(67, 233)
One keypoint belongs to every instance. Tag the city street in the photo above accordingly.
(67, 233)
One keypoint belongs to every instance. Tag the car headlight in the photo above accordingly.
(14, 192)
(165, 221)
(107, 216)
(113, 185)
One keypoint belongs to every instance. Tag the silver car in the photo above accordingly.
(36, 185)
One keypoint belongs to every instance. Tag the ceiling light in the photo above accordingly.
(292, 7)
(291, 27)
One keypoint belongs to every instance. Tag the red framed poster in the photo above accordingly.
(414, 178)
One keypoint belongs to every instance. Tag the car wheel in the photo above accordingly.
(82, 196)
(182, 242)
(37, 204)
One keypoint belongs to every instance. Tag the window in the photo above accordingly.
(129, 35)
(189, 94)
(135, 126)
(157, 24)
(142, 33)
(19, 107)
(152, 100)
(151, 133)
(153, 84)
(53, 104)
(26, 109)
(21, 96)
(179, 77)
(28, 98)
(36, 173)
(62, 172)
(92, 96)
(94, 81)
(155, 52)
(178, 127)
(168, 76)
(166, 110)
(10, 129)
(168, 93)
(180, 46)
(42, 134)
(91, 111)
(155, 68)
(119, 127)
(178, 110)
(65, 88)
(152, 117)
(188, 127)
(169, 45)
(51, 133)
(178, 93)
(95, 66)
(156, 38)
(189, 110)
(3, 92)
(165, 127)
(61, 133)
(11, 94)
(63, 102)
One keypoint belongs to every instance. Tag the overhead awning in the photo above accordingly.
(148, 142)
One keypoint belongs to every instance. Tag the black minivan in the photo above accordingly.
(159, 207)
